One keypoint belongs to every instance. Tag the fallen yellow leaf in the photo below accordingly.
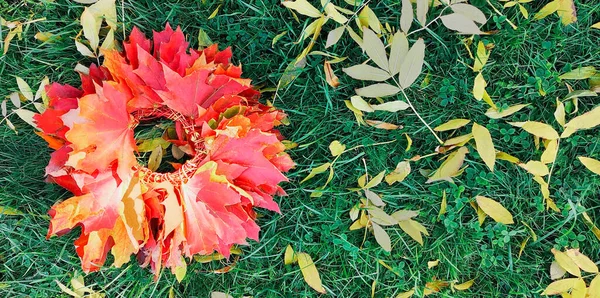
(495, 210)
(566, 262)
(484, 145)
(310, 272)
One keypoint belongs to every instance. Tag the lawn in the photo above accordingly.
(522, 62)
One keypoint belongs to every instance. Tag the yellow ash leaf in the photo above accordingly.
(367, 18)
(588, 221)
(524, 11)
(155, 158)
(105, 9)
(24, 89)
(357, 225)
(406, 294)
(536, 168)
(495, 114)
(464, 286)
(549, 154)
(375, 49)
(354, 212)
(382, 238)
(479, 86)
(433, 263)
(580, 73)
(216, 295)
(559, 113)
(43, 36)
(398, 52)
(303, 7)
(481, 216)
(391, 106)
(91, 27)
(336, 148)
(399, 174)
(596, 26)
(484, 145)
(402, 215)
(537, 129)
(310, 272)
(495, 210)
(543, 186)
(334, 14)
(533, 235)
(181, 271)
(315, 171)
(579, 289)
(413, 229)
(388, 267)
(452, 124)
(488, 100)
(451, 166)
(109, 41)
(375, 181)
(582, 261)
(443, 205)
(594, 289)
(587, 120)
(374, 198)
(482, 57)
(4, 210)
(361, 104)
(560, 286)
(556, 271)
(459, 141)
(567, 11)
(505, 156)
(591, 164)
(412, 65)
(522, 248)
(364, 219)
(566, 262)
(289, 256)
(547, 10)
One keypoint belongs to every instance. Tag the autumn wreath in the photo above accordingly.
(236, 157)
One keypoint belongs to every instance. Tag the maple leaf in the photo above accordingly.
(104, 133)
(108, 207)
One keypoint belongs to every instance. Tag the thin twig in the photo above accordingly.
(417, 113)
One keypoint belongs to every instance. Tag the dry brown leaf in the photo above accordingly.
(330, 76)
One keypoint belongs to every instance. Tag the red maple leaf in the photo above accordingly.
(104, 132)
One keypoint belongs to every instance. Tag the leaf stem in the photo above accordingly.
(553, 162)
(417, 113)
(422, 120)
(427, 25)
(498, 12)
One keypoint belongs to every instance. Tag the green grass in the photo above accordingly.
(537, 50)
